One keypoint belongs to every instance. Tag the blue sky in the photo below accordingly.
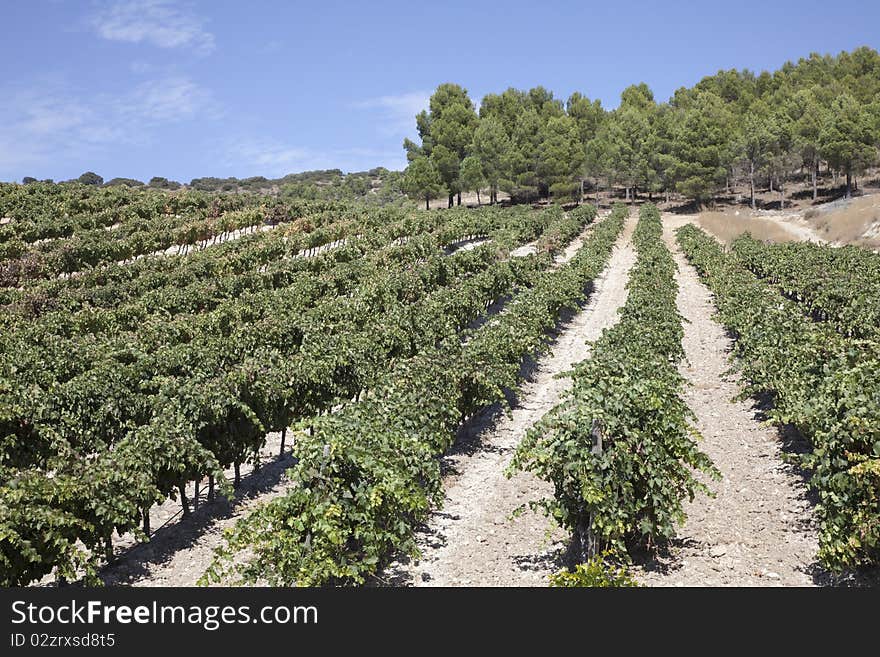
(139, 88)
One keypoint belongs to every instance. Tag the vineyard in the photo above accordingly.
(620, 449)
(153, 341)
(823, 380)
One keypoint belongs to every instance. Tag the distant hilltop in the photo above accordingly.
(323, 184)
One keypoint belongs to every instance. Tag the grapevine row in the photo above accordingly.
(839, 285)
(620, 448)
(40, 212)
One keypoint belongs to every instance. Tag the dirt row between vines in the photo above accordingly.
(759, 529)
(473, 540)
(181, 548)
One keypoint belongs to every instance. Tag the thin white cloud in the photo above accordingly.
(268, 158)
(51, 123)
(158, 22)
(261, 156)
(47, 114)
(396, 113)
(271, 47)
(169, 99)
(141, 67)
(36, 126)
(17, 157)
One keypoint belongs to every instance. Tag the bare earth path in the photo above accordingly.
(801, 227)
(759, 529)
(472, 539)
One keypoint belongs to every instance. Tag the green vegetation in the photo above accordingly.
(90, 178)
(601, 571)
(379, 185)
(447, 131)
(153, 335)
(823, 382)
(837, 285)
(163, 183)
(732, 126)
(620, 449)
(128, 182)
(422, 180)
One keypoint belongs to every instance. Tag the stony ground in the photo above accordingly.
(759, 527)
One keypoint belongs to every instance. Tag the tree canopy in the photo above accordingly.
(735, 125)
(422, 179)
(90, 178)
